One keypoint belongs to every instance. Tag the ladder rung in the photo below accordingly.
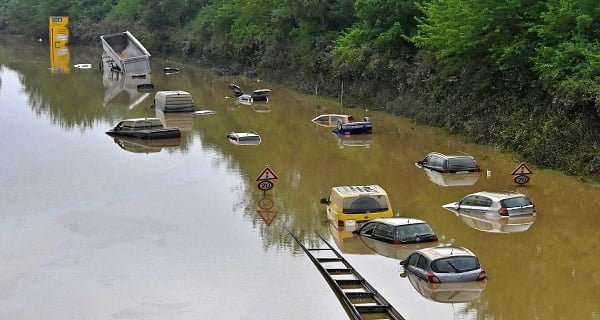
(372, 309)
(349, 282)
(329, 259)
(359, 295)
(339, 270)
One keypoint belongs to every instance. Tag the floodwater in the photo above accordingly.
(93, 227)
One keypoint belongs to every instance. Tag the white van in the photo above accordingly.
(174, 101)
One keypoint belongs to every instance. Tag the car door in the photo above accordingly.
(417, 264)
(475, 204)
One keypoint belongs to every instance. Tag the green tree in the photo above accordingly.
(568, 54)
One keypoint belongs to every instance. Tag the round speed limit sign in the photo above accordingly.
(521, 179)
(265, 185)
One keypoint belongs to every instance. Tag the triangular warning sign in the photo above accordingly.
(266, 174)
(521, 170)
(267, 215)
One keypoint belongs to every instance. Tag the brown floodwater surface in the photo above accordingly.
(95, 227)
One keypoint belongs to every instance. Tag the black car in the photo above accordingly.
(398, 230)
(453, 163)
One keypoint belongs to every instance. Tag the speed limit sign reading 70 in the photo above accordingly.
(265, 185)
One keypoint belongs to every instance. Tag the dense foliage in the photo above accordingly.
(521, 74)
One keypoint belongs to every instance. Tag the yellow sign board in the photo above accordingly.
(59, 31)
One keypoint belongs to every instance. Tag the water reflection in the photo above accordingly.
(347, 241)
(182, 120)
(353, 140)
(458, 292)
(395, 251)
(60, 59)
(489, 223)
(125, 90)
(451, 179)
(146, 145)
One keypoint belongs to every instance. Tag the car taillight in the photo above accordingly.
(432, 278)
(482, 275)
(503, 212)
(434, 238)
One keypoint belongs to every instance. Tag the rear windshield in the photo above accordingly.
(413, 230)
(455, 264)
(462, 162)
(365, 204)
(515, 202)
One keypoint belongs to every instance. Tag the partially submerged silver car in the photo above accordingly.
(444, 264)
(498, 204)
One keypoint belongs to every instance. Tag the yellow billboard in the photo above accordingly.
(59, 31)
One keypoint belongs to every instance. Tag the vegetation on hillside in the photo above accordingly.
(521, 74)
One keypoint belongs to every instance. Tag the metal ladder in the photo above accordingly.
(359, 298)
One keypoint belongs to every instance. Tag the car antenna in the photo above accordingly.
(452, 250)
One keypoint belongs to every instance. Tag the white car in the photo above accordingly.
(244, 138)
(496, 204)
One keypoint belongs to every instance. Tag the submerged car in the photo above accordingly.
(495, 204)
(352, 205)
(244, 138)
(344, 124)
(398, 230)
(256, 95)
(444, 264)
(143, 128)
(449, 163)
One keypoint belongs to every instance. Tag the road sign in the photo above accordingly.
(522, 169)
(268, 216)
(265, 185)
(265, 203)
(266, 174)
(521, 179)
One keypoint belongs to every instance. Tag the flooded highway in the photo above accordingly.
(100, 227)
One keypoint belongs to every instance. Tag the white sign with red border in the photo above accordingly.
(267, 174)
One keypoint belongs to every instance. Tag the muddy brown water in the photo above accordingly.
(93, 227)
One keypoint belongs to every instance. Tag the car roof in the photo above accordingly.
(398, 221)
(451, 155)
(262, 91)
(498, 195)
(435, 253)
(243, 134)
(359, 190)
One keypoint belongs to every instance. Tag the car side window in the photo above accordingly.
(412, 260)
(468, 201)
(422, 263)
(367, 229)
(483, 201)
(384, 231)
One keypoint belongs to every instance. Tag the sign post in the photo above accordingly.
(264, 179)
(521, 174)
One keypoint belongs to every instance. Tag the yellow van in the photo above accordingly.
(351, 205)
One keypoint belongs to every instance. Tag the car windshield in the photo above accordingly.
(365, 204)
(515, 202)
(462, 162)
(455, 264)
(412, 231)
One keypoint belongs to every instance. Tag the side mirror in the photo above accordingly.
(403, 263)
(324, 201)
